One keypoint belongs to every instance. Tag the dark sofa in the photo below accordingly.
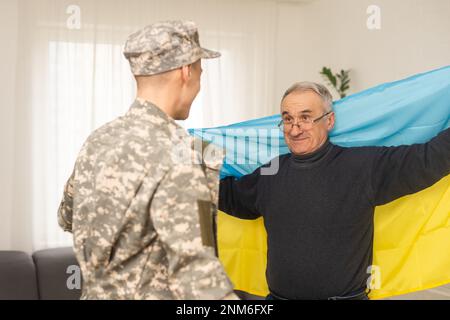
(51, 274)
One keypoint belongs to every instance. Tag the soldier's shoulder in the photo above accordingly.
(107, 130)
(126, 130)
(136, 141)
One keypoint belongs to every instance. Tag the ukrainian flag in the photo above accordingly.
(412, 234)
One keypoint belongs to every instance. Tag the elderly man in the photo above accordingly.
(142, 214)
(318, 208)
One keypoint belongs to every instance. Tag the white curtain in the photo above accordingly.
(73, 78)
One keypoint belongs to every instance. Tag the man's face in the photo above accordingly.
(305, 105)
(191, 89)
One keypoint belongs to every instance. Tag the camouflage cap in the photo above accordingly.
(165, 46)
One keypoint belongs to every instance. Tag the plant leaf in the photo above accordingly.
(328, 74)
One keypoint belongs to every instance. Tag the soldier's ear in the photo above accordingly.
(186, 73)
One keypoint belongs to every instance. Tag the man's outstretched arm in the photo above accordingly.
(403, 170)
(238, 197)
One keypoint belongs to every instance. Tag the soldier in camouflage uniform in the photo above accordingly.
(141, 202)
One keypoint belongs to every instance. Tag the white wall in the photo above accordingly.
(414, 38)
(8, 38)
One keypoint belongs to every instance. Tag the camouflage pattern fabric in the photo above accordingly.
(165, 46)
(141, 204)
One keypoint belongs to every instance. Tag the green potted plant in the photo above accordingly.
(340, 81)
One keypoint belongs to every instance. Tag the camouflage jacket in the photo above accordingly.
(141, 204)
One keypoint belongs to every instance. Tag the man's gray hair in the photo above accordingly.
(319, 89)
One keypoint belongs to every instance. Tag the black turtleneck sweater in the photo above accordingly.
(318, 210)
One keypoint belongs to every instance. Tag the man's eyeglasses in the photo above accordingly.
(287, 124)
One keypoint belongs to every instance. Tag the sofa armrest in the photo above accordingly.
(17, 276)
